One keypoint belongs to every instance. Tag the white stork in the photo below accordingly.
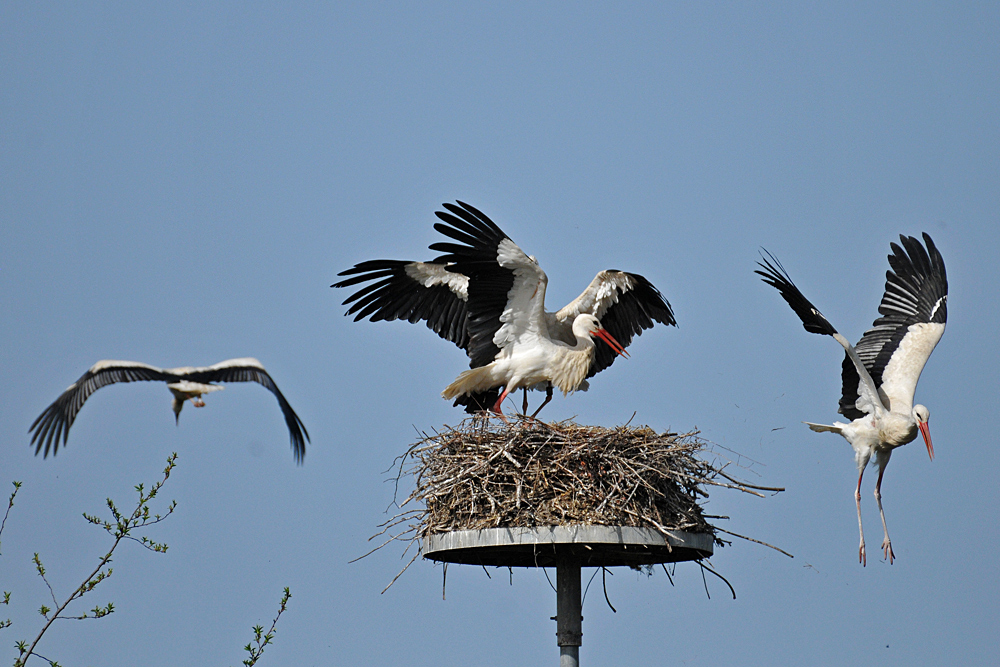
(880, 374)
(185, 383)
(464, 297)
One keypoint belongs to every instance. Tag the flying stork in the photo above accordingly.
(487, 297)
(880, 374)
(185, 383)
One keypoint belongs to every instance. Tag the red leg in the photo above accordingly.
(857, 499)
(496, 406)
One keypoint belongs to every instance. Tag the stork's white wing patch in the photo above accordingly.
(432, 275)
(899, 379)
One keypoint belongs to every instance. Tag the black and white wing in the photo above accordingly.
(625, 303)
(250, 370)
(813, 321)
(55, 421)
(914, 311)
(506, 287)
(774, 274)
(501, 278)
(411, 291)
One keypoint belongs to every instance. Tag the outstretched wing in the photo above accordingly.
(625, 303)
(411, 291)
(55, 421)
(813, 321)
(774, 274)
(250, 370)
(506, 287)
(914, 311)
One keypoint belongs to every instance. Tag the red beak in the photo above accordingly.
(612, 343)
(925, 431)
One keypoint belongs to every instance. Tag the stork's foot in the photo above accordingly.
(197, 402)
(887, 550)
(861, 554)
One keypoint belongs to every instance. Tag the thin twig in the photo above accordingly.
(604, 578)
(415, 557)
(750, 539)
(776, 489)
(706, 566)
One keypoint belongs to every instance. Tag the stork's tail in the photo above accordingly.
(470, 381)
(823, 428)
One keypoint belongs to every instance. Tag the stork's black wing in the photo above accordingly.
(411, 291)
(475, 256)
(625, 303)
(774, 274)
(251, 370)
(55, 421)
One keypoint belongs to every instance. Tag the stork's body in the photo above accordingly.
(185, 383)
(880, 374)
(185, 390)
(488, 297)
(532, 360)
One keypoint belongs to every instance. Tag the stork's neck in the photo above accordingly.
(568, 369)
(584, 336)
(897, 429)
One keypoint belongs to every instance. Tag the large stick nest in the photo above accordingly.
(484, 473)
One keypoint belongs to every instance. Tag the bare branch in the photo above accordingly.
(119, 529)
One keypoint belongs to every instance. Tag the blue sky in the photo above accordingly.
(182, 183)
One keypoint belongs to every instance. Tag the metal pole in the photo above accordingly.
(569, 612)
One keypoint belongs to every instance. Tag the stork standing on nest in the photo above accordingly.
(464, 295)
(880, 374)
(185, 383)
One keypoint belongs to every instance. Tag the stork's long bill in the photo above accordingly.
(612, 343)
(925, 430)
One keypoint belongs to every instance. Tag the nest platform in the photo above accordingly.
(526, 493)
(527, 474)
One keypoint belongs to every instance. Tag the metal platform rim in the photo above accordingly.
(497, 545)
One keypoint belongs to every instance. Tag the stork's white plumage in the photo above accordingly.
(529, 357)
(880, 374)
(468, 296)
(185, 383)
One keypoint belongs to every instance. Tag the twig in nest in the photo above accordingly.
(706, 566)
(604, 572)
(405, 567)
(750, 539)
(776, 489)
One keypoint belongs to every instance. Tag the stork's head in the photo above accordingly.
(922, 415)
(587, 326)
(177, 404)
